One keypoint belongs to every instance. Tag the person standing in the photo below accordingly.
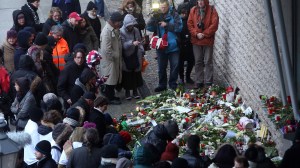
(203, 23)
(53, 19)
(133, 51)
(67, 7)
(19, 20)
(68, 76)
(31, 15)
(61, 49)
(8, 50)
(100, 6)
(71, 30)
(111, 52)
(88, 35)
(167, 22)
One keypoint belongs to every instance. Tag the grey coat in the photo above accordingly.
(129, 48)
(111, 52)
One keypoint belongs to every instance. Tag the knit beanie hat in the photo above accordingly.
(30, 29)
(35, 113)
(116, 17)
(170, 153)
(180, 163)
(41, 39)
(124, 163)
(86, 75)
(126, 136)
(44, 147)
(172, 128)
(72, 117)
(80, 46)
(49, 96)
(11, 34)
(93, 56)
(109, 151)
(91, 5)
(60, 130)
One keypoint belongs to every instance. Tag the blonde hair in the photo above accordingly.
(53, 10)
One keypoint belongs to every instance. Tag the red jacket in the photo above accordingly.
(4, 80)
(211, 22)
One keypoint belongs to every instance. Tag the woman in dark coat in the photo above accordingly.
(67, 7)
(53, 19)
(19, 20)
(89, 155)
(87, 35)
(31, 15)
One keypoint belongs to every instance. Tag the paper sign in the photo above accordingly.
(181, 109)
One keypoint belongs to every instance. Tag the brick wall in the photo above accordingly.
(243, 55)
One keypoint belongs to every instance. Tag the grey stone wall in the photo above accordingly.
(243, 56)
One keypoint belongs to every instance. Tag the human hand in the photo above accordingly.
(200, 36)
(136, 43)
(69, 101)
(163, 24)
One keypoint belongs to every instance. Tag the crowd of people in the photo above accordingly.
(52, 73)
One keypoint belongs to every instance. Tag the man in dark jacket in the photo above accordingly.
(67, 7)
(97, 115)
(31, 15)
(71, 31)
(68, 76)
(160, 134)
(43, 155)
(26, 68)
(24, 40)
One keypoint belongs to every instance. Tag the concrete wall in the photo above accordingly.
(243, 55)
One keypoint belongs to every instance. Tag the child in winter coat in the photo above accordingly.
(8, 49)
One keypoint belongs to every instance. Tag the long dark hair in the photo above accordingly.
(225, 156)
(91, 138)
(193, 145)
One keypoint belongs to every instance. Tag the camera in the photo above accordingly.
(200, 25)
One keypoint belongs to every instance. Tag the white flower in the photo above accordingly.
(162, 115)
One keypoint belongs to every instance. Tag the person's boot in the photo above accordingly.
(127, 95)
(135, 94)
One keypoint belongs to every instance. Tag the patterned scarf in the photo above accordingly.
(202, 12)
(35, 16)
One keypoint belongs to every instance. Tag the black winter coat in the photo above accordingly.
(30, 17)
(83, 104)
(82, 158)
(26, 68)
(97, 117)
(50, 71)
(48, 24)
(47, 162)
(157, 137)
(67, 79)
(71, 35)
(67, 7)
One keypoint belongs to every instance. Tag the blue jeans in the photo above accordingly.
(163, 59)
(100, 6)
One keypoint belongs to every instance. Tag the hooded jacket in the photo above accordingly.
(23, 45)
(145, 156)
(16, 25)
(127, 39)
(174, 26)
(26, 68)
(95, 23)
(89, 38)
(211, 22)
(45, 133)
(30, 15)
